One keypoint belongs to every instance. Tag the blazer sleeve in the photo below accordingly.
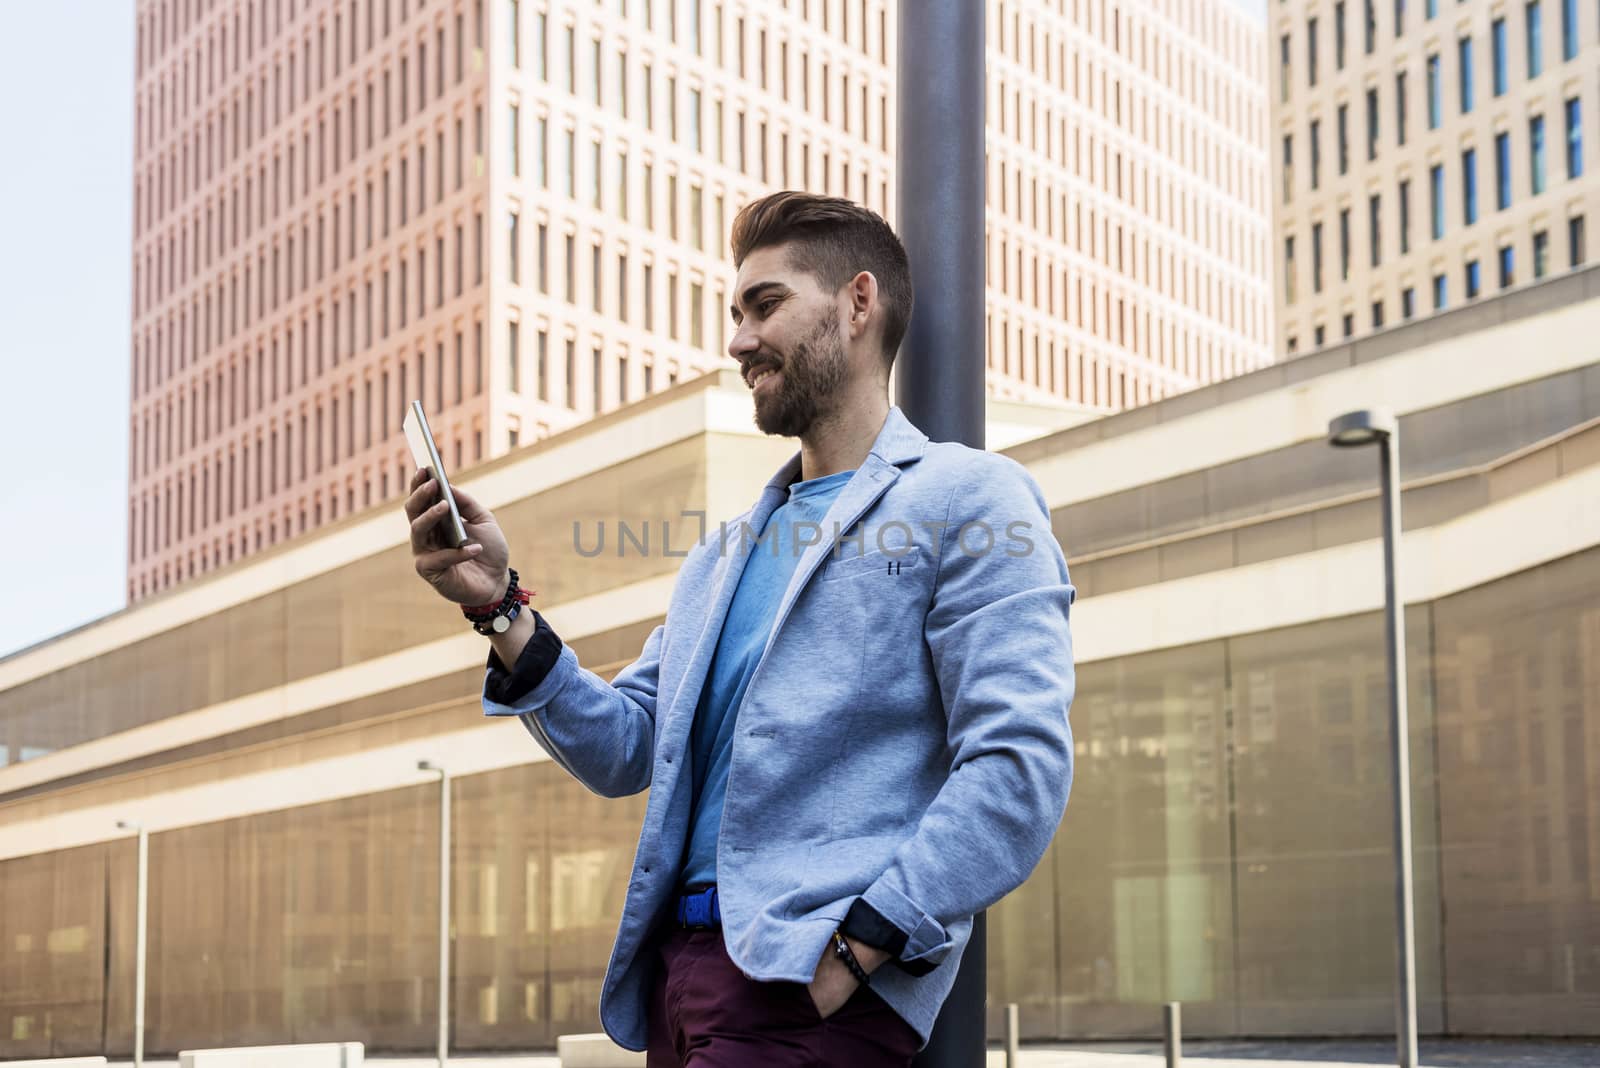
(602, 733)
(998, 632)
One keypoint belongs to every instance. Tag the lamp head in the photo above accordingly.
(428, 765)
(125, 825)
(1362, 427)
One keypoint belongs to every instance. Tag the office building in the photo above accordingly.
(1428, 154)
(517, 211)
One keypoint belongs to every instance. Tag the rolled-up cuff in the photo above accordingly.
(926, 938)
(538, 657)
(869, 926)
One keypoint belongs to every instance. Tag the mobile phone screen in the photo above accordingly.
(425, 453)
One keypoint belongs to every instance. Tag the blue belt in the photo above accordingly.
(699, 911)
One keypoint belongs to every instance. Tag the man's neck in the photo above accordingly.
(841, 439)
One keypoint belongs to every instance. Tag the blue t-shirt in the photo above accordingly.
(739, 647)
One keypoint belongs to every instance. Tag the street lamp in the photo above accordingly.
(444, 906)
(142, 906)
(1379, 427)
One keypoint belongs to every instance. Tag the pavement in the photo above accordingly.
(1332, 1053)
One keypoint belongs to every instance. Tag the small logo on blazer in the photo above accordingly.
(893, 567)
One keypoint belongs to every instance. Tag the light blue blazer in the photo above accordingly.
(904, 736)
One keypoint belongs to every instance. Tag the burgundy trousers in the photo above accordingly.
(705, 1013)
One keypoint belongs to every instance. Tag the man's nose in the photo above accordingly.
(743, 343)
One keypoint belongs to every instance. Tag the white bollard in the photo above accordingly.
(1013, 1038)
(1172, 1033)
(311, 1055)
(595, 1051)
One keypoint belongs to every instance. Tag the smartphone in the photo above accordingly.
(424, 453)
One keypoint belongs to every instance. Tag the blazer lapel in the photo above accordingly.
(898, 442)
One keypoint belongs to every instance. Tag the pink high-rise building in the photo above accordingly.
(517, 211)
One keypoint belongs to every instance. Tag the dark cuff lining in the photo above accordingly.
(866, 924)
(537, 658)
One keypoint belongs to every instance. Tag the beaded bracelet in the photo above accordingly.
(842, 950)
(488, 619)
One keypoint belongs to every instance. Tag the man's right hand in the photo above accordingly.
(474, 575)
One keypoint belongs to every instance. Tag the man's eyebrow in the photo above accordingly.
(752, 293)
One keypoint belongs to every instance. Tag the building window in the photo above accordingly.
(514, 150)
(1569, 29)
(1535, 28)
(1344, 138)
(1374, 229)
(1288, 167)
(1541, 253)
(1432, 8)
(1574, 138)
(1502, 171)
(514, 356)
(1316, 257)
(1436, 206)
(1435, 103)
(1575, 252)
(1400, 107)
(1469, 186)
(1405, 216)
(1316, 153)
(1288, 270)
(1472, 279)
(1319, 336)
(1408, 302)
(1441, 292)
(1497, 45)
(1371, 27)
(1338, 35)
(1372, 125)
(1347, 324)
(514, 247)
(1506, 267)
(1536, 153)
(1464, 60)
(1377, 314)
(1311, 51)
(1344, 244)
(1283, 71)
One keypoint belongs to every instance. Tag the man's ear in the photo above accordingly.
(862, 294)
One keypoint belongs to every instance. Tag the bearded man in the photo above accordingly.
(853, 721)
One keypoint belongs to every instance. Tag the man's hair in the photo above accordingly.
(832, 240)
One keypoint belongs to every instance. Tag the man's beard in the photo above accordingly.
(812, 376)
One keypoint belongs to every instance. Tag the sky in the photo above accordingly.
(66, 211)
(65, 275)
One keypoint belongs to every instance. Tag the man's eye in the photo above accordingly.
(766, 306)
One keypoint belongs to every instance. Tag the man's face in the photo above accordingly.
(787, 342)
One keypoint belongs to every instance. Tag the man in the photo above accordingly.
(853, 722)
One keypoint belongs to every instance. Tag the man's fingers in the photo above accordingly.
(433, 563)
(422, 495)
(471, 511)
(423, 523)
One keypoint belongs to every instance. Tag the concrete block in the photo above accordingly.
(595, 1051)
(310, 1055)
